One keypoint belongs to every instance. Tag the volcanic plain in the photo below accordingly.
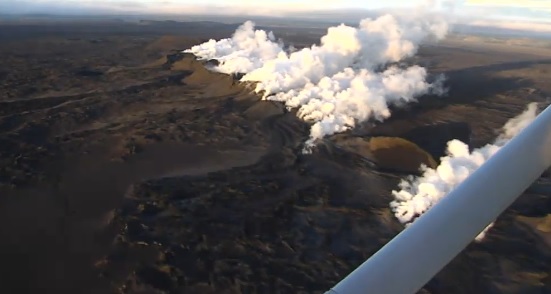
(127, 166)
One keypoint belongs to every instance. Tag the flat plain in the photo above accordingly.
(128, 167)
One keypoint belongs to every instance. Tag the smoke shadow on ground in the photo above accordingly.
(479, 101)
(470, 85)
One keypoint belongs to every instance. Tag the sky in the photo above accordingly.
(476, 10)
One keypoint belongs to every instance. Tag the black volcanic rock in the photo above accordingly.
(163, 176)
(89, 72)
(212, 62)
(238, 75)
(434, 138)
(172, 58)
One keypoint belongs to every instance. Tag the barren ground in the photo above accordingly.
(126, 167)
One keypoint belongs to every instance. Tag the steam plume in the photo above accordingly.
(348, 78)
(246, 51)
(417, 195)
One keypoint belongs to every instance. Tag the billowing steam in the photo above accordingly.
(417, 195)
(246, 51)
(349, 78)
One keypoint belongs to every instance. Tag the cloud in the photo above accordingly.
(71, 7)
(530, 26)
(538, 4)
(243, 7)
(528, 10)
(528, 16)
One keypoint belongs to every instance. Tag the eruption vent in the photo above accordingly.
(350, 77)
(419, 194)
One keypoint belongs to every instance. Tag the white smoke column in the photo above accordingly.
(336, 103)
(419, 194)
(246, 51)
(374, 43)
(340, 82)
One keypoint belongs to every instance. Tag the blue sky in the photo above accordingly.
(527, 10)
